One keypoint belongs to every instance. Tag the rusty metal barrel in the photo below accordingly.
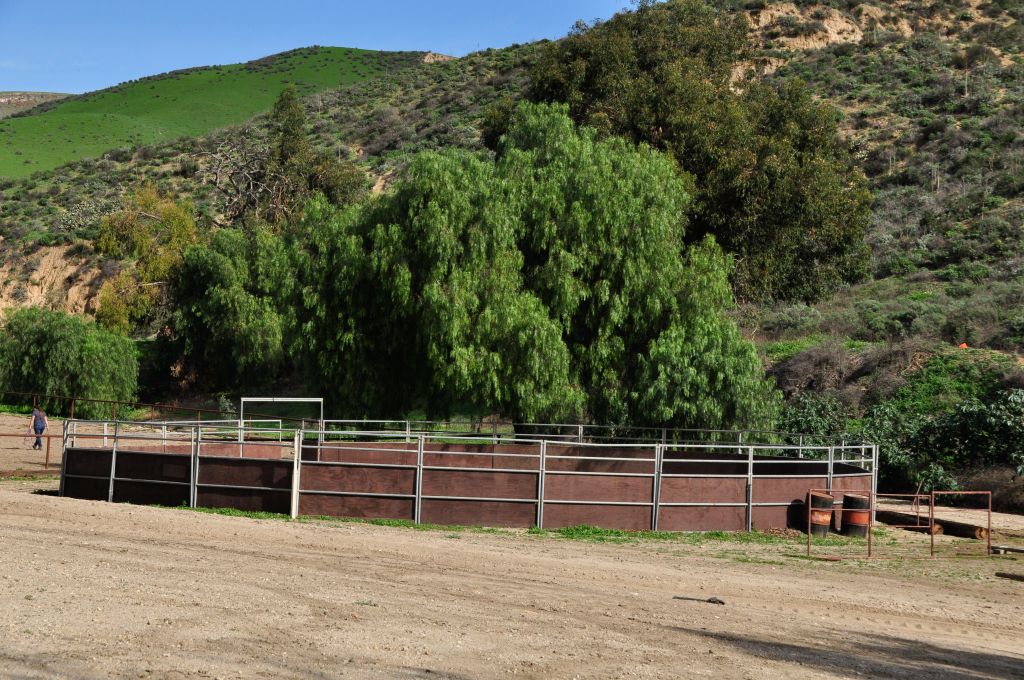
(856, 515)
(819, 505)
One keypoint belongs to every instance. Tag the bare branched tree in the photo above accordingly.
(240, 168)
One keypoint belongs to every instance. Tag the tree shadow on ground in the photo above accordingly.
(877, 656)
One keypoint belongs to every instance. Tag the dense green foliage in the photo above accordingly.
(291, 169)
(228, 330)
(189, 102)
(46, 352)
(151, 232)
(774, 183)
(553, 283)
(958, 412)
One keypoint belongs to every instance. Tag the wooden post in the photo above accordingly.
(46, 463)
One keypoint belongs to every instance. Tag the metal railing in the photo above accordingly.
(511, 470)
(582, 433)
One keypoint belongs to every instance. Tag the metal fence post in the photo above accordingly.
(408, 431)
(194, 481)
(418, 504)
(800, 444)
(931, 521)
(580, 434)
(296, 469)
(831, 464)
(750, 489)
(113, 464)
(63, 457)
(104, 435)
(659, 456)
(874, 476)
(540, 483)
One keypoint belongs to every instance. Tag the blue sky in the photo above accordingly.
(62, 46)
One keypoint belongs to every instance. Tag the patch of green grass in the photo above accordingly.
(28, 478)
(186, 103)
(232, 512)
(786, 349)
(17, 409)
(582, 532)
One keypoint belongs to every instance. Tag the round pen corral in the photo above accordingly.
(491, 474)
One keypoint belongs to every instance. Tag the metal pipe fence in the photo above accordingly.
(469, 478)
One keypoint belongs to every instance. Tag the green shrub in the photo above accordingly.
(822, 415)
(47, 352)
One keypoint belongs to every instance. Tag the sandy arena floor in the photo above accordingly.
(91, 590)
(16, 452)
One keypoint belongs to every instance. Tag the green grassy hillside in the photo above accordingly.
(187, 103)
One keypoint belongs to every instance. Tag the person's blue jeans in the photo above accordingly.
(39, 438)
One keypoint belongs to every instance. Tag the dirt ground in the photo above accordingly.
(95, 590)
(16, 454)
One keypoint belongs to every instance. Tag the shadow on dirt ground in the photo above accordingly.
(877, 656)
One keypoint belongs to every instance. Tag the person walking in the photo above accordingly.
(38, 425)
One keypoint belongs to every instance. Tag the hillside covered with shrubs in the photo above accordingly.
(831, 195)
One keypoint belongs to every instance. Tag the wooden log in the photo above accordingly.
(940, 526)
(963, 530)
(906, 521)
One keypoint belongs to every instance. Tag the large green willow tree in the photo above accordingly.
(772, 180)
(51, 353)
(550, 283)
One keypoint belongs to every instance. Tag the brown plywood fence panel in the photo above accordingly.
(478, 513)
(366, 453)
(87, 489)
(356, 506)
(517, 485)
(360, 479)
(852, 483)
(244, 499)
(704, 518)
(245, 472)
(785, 489)
(154, 466)
(87, 462)
(598, 488)
(469, 460)
(778, 516)
(247, 450)
(703, 490)
(626, 517)
(150, 493)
